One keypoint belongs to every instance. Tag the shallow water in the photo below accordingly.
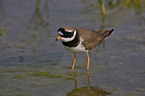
(33, 64)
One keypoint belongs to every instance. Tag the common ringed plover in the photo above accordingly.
(81, 40)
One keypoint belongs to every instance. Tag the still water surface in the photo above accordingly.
(33, 64)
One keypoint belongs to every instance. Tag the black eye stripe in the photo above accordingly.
(65, 33)
(61, 29)
(69, 33)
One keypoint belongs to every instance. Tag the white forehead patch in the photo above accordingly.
(60, 33)
(69, 30)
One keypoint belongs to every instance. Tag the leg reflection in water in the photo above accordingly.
(88, 90)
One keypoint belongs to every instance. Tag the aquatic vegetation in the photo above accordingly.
(47, 74)
(102, 7)
(2, 33)
(138, 4)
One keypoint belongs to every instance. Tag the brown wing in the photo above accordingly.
(91, 38)
(104, 33)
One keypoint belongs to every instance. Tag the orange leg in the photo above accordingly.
(88, 79)
(74, 61)
(88, 61)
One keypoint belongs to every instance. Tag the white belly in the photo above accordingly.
(77, 49)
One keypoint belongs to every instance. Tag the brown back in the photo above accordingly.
(92, 38)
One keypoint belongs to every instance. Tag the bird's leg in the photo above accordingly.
(88, 61)
(74, 61)
(88, 79)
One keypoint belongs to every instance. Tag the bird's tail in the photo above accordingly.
(105, 33)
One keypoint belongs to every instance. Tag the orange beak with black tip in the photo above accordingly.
(58, 38)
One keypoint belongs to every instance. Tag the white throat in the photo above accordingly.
(69, 39)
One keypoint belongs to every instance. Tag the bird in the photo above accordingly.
(77, 40)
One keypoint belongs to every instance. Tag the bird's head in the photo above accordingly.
(66, 34)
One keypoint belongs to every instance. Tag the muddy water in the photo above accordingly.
(33, 64)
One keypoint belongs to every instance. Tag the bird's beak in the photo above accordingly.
(58, 38)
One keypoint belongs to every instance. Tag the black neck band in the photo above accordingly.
(74, 42)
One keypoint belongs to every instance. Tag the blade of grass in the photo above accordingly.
(102, 7)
